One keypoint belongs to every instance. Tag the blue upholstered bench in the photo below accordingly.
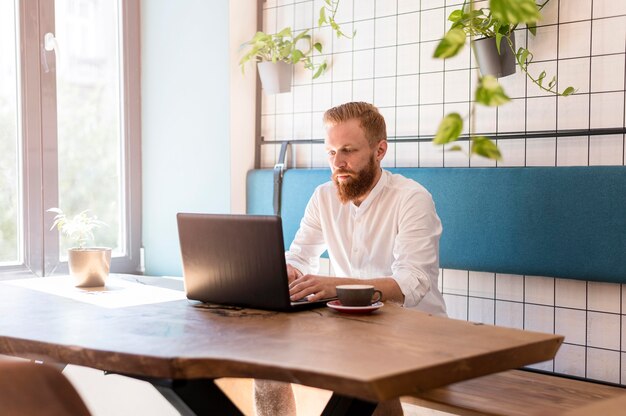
(567, 222)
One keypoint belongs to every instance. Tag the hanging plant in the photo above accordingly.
(290, 48)
(498, 23)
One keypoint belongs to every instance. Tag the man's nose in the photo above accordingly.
(339, 161)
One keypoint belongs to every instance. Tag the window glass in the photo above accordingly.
(10, 219)
(89, 115)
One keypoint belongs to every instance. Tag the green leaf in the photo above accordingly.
(541, 77)
(260, 37)
(498, 41)
(285, 33)
(483, 146)
(318, 47)
(322, 18)
(449, 129)
(456, 15)
(490, 93)
(552, 82)
(455, 148)
(296, 55)
(515, 11)
(568, 91)
(303, 35)
(451, 44)
(320, 70)
(532, 28)
(522, 55)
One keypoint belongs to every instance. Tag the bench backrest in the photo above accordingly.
(567, 222)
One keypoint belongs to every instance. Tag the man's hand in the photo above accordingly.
(313, 287)
(293, 273)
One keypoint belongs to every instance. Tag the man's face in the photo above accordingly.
(354, 163)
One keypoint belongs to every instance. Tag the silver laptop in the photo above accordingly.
(236, 260)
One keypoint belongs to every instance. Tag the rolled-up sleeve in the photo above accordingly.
(416, 248)
(309, 243)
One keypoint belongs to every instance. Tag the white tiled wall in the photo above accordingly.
(389, 63)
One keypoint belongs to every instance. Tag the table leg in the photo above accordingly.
(343, 405)
(193, 397)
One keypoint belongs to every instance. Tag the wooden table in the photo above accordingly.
(362, 358)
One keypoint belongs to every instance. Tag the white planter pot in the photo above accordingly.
(492, 63)
(275, 77)
(89, 266)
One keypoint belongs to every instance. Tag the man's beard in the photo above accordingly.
(358, 184)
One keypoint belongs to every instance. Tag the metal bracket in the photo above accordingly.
(279, 172)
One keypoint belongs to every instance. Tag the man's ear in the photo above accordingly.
(381, 150)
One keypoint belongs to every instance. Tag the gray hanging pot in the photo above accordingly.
(492, 63)
(275, 77)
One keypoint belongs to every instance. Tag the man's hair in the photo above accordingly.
(370, 119)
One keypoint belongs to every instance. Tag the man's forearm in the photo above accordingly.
(320, 287)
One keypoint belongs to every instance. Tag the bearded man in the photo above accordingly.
(379, 228)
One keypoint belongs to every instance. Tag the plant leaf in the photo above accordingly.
(285, 33)
(498, 41)
(541, 77)
(318, 47)
(320, 70)
(455, 148)
(522, 55)
(456, 15)
(483, 146)
(568, 91)
(296, 55)
(490, 93)
(552, 82)
(449, 129)
(322, 18)
(514, 11)
(451, 44)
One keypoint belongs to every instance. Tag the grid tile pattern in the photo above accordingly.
(389, 63)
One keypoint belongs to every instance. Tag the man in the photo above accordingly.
(379, 228)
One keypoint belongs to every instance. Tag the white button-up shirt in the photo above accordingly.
(393, 233)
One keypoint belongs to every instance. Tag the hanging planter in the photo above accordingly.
(496, 23)
(275, 76)
(276, 53)
(490, 62)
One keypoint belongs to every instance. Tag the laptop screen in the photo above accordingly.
(234, 260)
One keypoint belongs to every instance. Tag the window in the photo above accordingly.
(69, 128)
(10, 206)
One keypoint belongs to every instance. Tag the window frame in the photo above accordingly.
(39, 150)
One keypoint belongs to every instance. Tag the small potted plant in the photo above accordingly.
(88, 265)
